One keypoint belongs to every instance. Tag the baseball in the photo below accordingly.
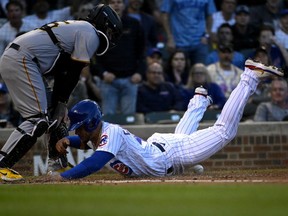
(198, 169)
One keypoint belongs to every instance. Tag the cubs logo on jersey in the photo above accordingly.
(103, 140)
(121, 168)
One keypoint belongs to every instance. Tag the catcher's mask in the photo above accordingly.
(85, 112)
(108, 25)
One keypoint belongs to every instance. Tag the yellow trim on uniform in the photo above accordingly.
(32, 87)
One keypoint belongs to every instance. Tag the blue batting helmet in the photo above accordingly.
(87, 113)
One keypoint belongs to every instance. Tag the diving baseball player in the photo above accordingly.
(59, 50)
(163, 154)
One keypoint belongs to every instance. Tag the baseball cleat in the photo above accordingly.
(201, 91)
(8, 174)
(262, 70)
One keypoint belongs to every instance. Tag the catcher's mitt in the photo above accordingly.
(55, 135)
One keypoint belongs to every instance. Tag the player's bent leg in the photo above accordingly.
(231, 114)
(18, 144)
(207, 142)
(196, 108)
(213, 139)
(226, 126)
(233, 110)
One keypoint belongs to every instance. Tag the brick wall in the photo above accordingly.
(252, 151)
(257, 145)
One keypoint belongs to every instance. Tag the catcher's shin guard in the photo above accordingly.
(24, 144)
(20, 142)
(57, 134)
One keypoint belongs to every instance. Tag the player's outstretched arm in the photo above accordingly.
(88, 166)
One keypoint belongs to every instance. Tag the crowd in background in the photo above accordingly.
(167, 50)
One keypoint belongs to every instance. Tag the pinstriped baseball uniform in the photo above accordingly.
(166, 154)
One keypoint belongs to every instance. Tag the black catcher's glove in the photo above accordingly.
(55, 135)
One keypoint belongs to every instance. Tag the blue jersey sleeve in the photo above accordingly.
(88, 166)
(74, 141)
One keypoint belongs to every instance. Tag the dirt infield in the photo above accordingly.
(209, 176)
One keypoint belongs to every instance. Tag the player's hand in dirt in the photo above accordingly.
(62, 144)
(50, 177)
(54, 176)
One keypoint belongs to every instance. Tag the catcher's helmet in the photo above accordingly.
(108, 24)
(85, 112)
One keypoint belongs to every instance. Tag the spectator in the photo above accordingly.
(148, 23)
(199, 76)
(262, 55)
(25, 6)
(177, 69)
(152, 7)
(3, 10)
(277, 108)
(43, 15)
(277, 52)
(83, 10)
(225, 38)
(9, 117)
(244, 34)
(223, 72)
(266, 13)
(121, 68)
(155, 94)
(14, 25)
(154, 55)
(187, 23)
(281, 34)
(225, 15)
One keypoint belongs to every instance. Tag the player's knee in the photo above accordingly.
(40, 126)
(226, 134)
